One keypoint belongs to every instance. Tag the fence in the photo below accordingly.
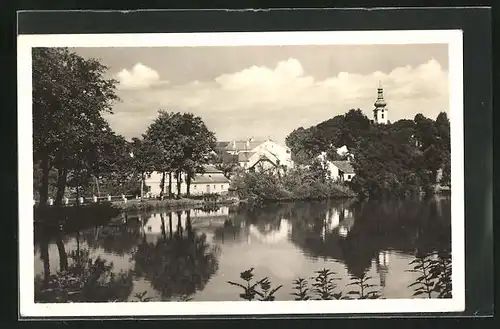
(94, 199)
(212, 197)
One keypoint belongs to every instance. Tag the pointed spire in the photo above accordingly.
(380, 102)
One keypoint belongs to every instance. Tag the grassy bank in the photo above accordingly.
(147, 205)
(167, 204)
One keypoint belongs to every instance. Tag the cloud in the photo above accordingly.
(272, 101)
(139, 77)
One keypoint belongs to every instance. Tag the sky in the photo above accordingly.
(268, 91)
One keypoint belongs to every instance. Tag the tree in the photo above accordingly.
(199, 143)
(164, 139)
(185, 145)
(143, 151)
(69, 95)
(304, 144)
(225, 162)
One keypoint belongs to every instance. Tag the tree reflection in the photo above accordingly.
(81, 278)
(117, 238)
(179, 265)
(404, 226)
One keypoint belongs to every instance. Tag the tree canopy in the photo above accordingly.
(393, 159)
(70, 94)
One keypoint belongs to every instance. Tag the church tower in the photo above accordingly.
(380, 112)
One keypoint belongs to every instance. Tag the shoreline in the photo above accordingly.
(119, 207)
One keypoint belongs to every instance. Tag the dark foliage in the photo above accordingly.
(257, 290)
(434, 269)
(405, 157)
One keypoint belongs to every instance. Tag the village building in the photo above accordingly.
(341, 170)
(257, 155)
(211, 181)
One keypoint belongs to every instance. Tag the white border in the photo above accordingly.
(28, 308)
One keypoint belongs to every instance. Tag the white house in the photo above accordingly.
(211, 181)
(339, 170)
(258, 155)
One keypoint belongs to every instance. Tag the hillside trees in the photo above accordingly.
(327, 136)
(393, 159)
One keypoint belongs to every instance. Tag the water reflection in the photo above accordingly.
(191, 254)
(177, 263)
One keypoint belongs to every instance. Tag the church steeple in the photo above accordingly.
(380, 112)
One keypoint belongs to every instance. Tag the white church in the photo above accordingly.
(380, 112)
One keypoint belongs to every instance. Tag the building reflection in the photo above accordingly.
(382, 266)
(204, 221)
(270, 235)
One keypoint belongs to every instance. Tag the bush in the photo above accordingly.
(296, 184)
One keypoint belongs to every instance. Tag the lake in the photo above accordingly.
(191, 254)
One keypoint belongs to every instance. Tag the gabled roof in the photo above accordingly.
(242, 145)
(344, 166)
(244, 156)
(208, 169)
(265, 157)
(209, 178)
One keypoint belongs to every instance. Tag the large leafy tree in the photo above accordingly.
(143, 150)
(304, 144)
(199, 144)
(69, 95)
(184, 145)
(164, 138)
(327, 136)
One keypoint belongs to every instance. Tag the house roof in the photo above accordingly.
(242, 145)
(209, 178)
(244, 156)
(344, 166)
(265, 157)
(209, 169)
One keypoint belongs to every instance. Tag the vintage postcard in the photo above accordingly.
(241, 173)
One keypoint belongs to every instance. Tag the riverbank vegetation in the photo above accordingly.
(395, 159)
(302, 183)
(434, 281)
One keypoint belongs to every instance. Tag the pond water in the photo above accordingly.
(191, 254)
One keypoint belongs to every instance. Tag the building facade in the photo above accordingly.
(339, 170)
(212, 181)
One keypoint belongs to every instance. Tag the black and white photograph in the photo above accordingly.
(241, 173)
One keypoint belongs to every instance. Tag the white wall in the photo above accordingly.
(348, 177)
(195, 189)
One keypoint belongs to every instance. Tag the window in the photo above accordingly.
(215, 187)
(194, 187)
(348, 176)
(222, 187)
(382, 115)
